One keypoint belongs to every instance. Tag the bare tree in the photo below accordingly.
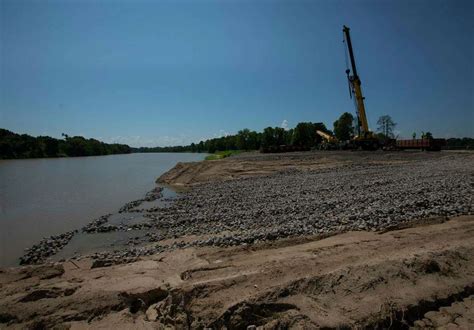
(386, 125)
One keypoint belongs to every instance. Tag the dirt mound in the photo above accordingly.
(188, 174)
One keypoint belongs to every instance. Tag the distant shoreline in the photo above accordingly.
(105, 155)
(16, 146)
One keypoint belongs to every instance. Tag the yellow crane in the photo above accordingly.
(329, 142)
(365, 138)
(329, 138)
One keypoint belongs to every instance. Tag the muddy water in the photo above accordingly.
(43, 197)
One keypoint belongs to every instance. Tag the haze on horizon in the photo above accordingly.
(156, 73)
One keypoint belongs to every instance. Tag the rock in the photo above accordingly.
(438, 319)
(152, 313)
(419, 324)
(102, 263)
(45, 248)
(40, 294)
(46, 272)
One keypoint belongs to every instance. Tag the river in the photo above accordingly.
(44, 197)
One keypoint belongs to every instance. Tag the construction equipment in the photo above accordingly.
(327, 137)
(365, 138)
(329, 142)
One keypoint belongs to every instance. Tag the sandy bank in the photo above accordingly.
(353, 279)
(253, 164)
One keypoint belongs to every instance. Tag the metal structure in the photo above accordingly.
(365, 138)
(327, 137)
(428, 144)
(329, 142)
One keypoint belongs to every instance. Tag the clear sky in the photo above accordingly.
(150, 73)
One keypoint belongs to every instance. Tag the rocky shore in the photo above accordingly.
(366, 191)
(45, 248)
(151, 196)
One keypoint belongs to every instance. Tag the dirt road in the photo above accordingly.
(352, 279)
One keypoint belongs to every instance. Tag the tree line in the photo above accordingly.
(14, 145)
(272, 139)
(302, 137)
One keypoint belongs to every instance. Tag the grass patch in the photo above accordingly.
(222, 154)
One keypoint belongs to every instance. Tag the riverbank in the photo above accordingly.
(278, 233)
(251, 198)
(41, 198)
(353, 279)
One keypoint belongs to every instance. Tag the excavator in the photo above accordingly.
(365, 139)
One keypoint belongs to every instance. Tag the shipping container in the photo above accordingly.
(423, 144)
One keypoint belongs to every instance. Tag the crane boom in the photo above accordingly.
(328, 137)
(354, 80)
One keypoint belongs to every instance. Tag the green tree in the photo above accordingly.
(289, 136)
(51, 146)
(343, 127)
(304, 135)
(386, 126)
(243, 139)
(201, 146)
(254, 140)
(279, 136)
(268, 137)
(25, 146)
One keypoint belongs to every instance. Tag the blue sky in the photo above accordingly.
(152, 73)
